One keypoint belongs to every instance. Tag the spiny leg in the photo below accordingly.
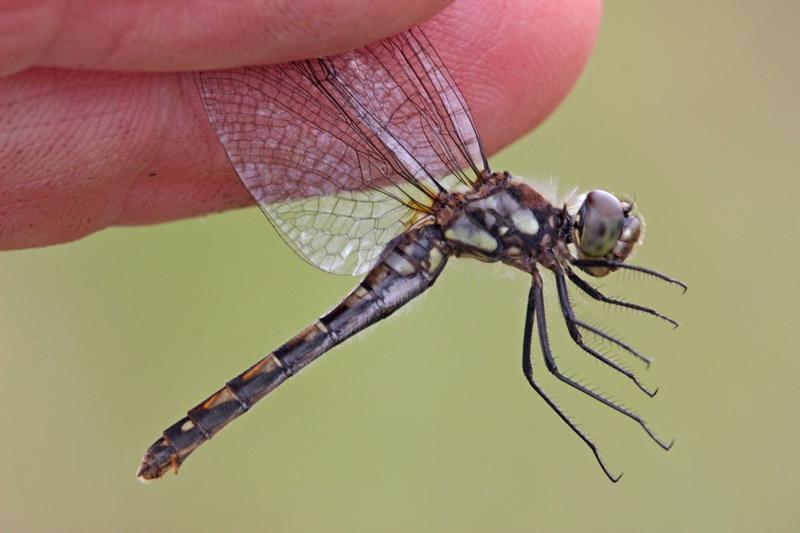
(588, 263)
(610, 338)
(553, 367)
(599, 296)
(572, 327)
(613, 340)
(527, 369)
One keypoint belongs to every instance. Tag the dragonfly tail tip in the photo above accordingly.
(159, 458)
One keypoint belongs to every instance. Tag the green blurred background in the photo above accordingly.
(426, 423)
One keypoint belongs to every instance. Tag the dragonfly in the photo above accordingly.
(368, 163)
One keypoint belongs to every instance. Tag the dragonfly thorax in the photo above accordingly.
(504, 219)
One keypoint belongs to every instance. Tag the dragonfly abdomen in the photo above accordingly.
(409, 265)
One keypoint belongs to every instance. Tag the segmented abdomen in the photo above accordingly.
(408, 266)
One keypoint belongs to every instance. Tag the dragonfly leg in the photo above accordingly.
(527, 369)
(572, 326)
(564, 299)
(599, 296)
(553, 367)
(583, 264)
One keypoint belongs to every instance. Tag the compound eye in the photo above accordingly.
(599, 223)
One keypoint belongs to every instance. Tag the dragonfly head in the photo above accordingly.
(606, 228)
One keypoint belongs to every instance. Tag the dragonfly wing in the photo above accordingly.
(401, 96)
(342, 153)
(344, 233)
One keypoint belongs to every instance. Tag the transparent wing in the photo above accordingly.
(342, 153)
(344, 233)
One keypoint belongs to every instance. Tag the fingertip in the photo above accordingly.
(168, 37)
(516, 62)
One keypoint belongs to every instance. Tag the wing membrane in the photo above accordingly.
(344, 233)
(383, 129)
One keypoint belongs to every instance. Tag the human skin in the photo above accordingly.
(101, 124)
